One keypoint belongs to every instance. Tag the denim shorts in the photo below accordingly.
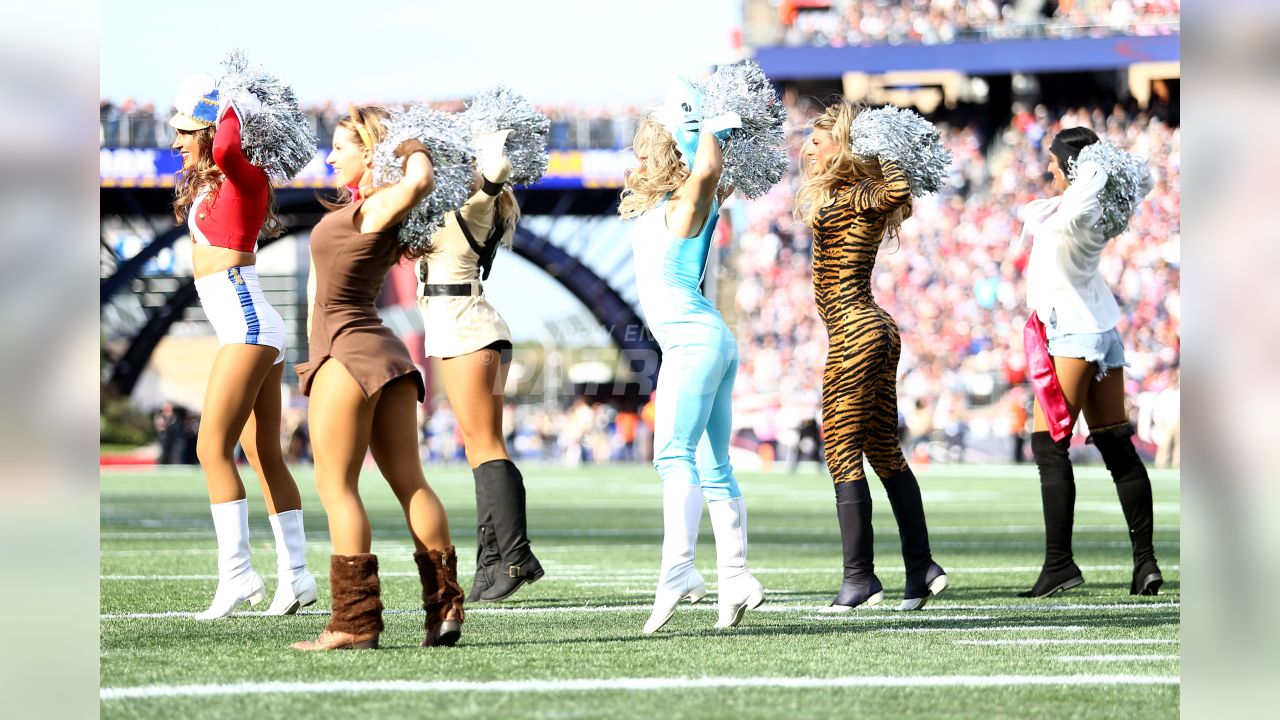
(1104, 348)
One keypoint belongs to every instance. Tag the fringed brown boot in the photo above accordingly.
(357, 605)
(441, 596)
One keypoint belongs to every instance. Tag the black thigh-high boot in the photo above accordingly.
(504, 487)
(1134, 488)
(488, 561)
(1058, 494)
(924, 576)
(853, 510)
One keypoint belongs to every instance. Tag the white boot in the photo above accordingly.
(737, 589)
(237, 580)
(678, 579)
(295, 586)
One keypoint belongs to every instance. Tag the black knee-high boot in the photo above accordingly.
(924, 576)
(488, 561)
(1134, 488)
(853, 510)
(1058, 494)
(504, 490)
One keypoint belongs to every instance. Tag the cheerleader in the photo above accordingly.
(228, 203)
(1071, 339)
(673, 198)
(364, 390)
(474, 345)
(852, 202)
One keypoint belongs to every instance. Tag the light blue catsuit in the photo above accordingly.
(699, 356)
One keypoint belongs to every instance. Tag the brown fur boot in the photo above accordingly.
(357, 605)
(441, 596)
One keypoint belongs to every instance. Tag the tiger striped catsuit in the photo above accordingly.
(859, 384)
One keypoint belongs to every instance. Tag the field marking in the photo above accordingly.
(1118, 658)
(895, 615)
(865, 613)
(656, 532)
(577, 550)
(994, 628)
(1066, 641)
(627, 577)
(613, 684)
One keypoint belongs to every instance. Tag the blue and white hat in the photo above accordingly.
(196, 105)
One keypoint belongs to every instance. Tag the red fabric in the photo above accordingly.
(1044, 380)
(233, 219)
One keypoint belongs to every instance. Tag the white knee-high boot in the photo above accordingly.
(295, 586)
(237, 580)
(677, 579)
(737, 589)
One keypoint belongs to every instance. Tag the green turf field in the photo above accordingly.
(570, 646)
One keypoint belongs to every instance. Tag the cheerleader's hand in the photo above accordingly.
(246, 106)
(722, 126)
(491, 156)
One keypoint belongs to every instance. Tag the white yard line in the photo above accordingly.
(993, 628)
(615, 684)
(860, 614)
(1118, 658)
(626, 578)
(1067, 641)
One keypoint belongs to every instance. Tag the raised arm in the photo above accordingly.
(1080, 207)
(392, 204)
(229, 156)
(893, 192)
(494, 169)
(691, 203)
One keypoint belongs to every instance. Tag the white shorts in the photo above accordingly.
(232, 300)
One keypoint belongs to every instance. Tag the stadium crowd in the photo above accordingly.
(838, 23)
(952, 280)
(129, 123)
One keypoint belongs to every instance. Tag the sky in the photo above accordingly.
(553, 51)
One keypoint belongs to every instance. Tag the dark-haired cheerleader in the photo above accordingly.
(1072, 341)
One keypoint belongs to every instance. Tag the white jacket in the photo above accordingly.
(1062, 273)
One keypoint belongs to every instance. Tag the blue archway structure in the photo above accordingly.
(606, 305)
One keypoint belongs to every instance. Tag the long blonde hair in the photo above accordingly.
(207, 175)
(364, 122)
(842, 170)
(661, 170)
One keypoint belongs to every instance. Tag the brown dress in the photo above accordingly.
(350, 269)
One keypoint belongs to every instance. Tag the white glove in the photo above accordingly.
(722, 125)
(246, 106)
(491, 156)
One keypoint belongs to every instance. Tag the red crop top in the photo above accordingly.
(233, 219)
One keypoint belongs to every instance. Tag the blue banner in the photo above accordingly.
(994, 57)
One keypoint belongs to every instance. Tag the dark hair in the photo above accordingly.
(1068, 144)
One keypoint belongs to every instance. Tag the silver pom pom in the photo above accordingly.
(1128, 181)
(446, 136)
(901, 135)
(500, 108)
(754, 159)
(278, 136)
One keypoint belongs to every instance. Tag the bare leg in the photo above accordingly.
(341, 418)
(1075, 376)
(395, 448)
(234, 385)
(261, 443)
(474, 384)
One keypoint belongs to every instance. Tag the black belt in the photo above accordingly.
(452, 290)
